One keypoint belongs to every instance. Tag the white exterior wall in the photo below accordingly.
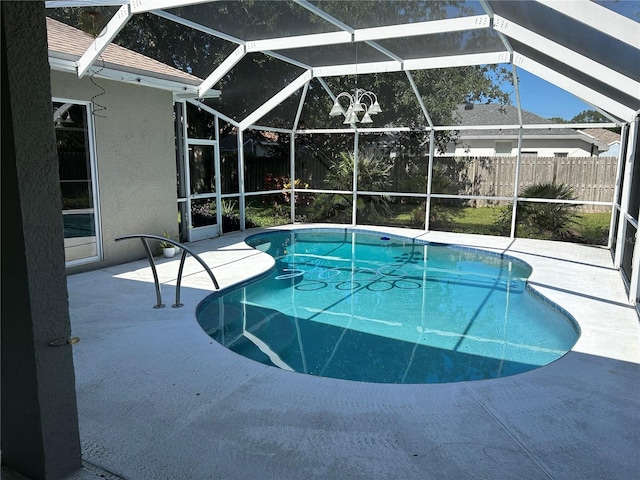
(543, 147)
(135, 161)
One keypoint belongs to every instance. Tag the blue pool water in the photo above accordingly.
(363, 306)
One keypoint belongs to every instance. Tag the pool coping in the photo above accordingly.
(152, 386)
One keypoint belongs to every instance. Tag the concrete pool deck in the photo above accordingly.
(159, 399)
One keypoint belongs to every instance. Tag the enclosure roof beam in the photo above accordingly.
(359, 68)
(585, 93)
(375, 33)
(341, 25)
(141, 6)
(324, 15)
(263, 128)
(331, 94)
(224, 68)
(286, 59)
(198, 26)
(362, 130)
(299, 41)
(214, 112)
(422, 28)
(516, 90)
(457, 60)
(569, 57)
(425, 112)
(530, 126)
(303, 97)
(103, 39)
(600, 18)
(412, 64)
(276, 100)
(84, 3)
(507, 44)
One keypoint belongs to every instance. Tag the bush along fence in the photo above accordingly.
(590, 178)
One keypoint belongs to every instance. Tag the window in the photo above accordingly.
(74, 142)
(503, 148)
(560, 154)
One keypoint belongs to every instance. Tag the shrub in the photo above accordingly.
(282, 182)
(373, 176)
(545, 220)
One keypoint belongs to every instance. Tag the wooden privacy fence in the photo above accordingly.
(591, 178)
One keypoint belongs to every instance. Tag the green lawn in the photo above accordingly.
(590, 228)
(260, 215)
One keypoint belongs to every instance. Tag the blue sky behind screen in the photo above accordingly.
(546, 100)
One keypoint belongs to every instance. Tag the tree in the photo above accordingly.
(257, 77)
(558, 120)
(589, 116)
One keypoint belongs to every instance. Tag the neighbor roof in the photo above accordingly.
(603, 135)
(590, 49)
(492, 114)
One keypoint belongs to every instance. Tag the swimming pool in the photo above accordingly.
(358, 305)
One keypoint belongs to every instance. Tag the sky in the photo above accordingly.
(546, 100)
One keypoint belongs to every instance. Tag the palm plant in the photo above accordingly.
(374, 175)
(546, 220)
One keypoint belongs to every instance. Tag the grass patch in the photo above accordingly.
(478, 220)
(592, 228)
(261, 215)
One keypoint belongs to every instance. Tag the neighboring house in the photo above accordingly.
(550, 142)
(116, 146)
(608, 137)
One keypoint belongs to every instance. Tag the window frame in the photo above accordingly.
(93, 167)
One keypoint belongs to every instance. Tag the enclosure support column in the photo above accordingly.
(292, 176)
(187, 169)
(183, 193)
(634, 281)
(40, 438)
(218, 180)
(217, 183)
(242, 201)
(432, 149)
(624, 135)
(354, 211)
(632, 139)
(516, 185)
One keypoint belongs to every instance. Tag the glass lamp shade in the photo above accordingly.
(358, 108)
(351, 118)
(336, 110)
(375, 108)
(366, 118)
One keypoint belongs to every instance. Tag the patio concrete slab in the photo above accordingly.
(159, 399)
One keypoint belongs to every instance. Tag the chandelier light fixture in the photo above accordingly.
(361, 101)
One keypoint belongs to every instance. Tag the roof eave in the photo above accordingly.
(180, 89)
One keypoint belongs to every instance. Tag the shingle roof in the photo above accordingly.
(68, 43)
(494, 114)
(602, 134)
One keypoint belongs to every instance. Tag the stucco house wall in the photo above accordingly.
(135, 158)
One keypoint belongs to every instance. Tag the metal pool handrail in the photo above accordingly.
(143, 238)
